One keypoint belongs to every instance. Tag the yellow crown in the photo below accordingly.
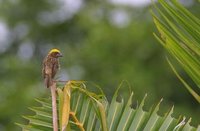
(54, 50)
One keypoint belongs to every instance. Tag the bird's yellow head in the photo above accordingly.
(55, 53)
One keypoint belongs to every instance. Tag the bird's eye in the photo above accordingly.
(59, 55)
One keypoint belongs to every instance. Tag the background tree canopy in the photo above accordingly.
(102, 42)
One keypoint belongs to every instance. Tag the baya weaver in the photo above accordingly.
(50, 66)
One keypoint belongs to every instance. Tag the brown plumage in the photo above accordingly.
(50, 66)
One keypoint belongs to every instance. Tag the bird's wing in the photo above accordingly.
(48, 75)
(46, 72)
(47, 68)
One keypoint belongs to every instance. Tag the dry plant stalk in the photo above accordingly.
(80, 125)
(66, 113)
(54, 107)
(66, 106)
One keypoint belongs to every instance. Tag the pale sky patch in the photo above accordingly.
(66, 9)
(26, 50)
(4, 36)
(131, 2)
(119, 18)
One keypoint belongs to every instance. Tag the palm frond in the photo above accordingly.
(180, 35)
(121, 115)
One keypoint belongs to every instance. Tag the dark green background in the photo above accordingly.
(97, 47)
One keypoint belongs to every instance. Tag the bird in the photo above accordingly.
(51, 66)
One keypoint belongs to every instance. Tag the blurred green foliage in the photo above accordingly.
(102, 42)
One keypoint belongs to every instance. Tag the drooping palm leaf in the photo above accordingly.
(121, 115)
(180, 35)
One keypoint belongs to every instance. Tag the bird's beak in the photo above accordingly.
(59, 55)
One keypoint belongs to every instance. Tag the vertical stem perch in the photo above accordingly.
(54, 107)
